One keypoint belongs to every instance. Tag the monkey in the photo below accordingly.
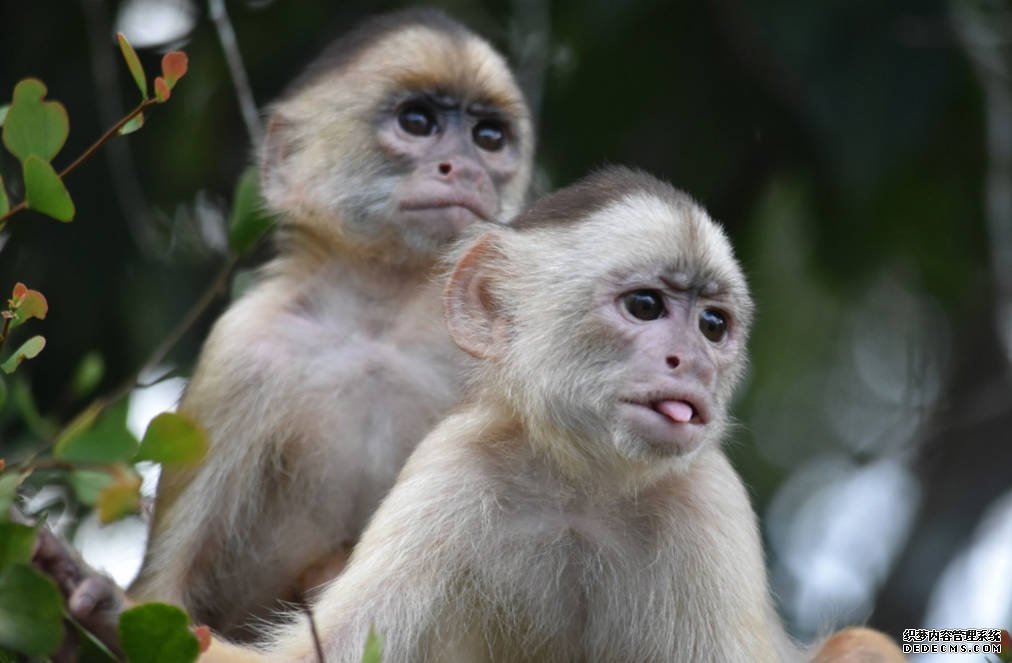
(315, 386)
(577, 505)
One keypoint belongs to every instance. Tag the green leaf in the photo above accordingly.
(9, 482)
(373, 652)
(98, 438)
(28, 350)
(91, 650)
(44, 190)
(157, 633)
(133, 64)
(133, 125)
(3, 393)
(89, 484)
(5, 204)
(173, 438)
(88, 374)
(31, 611)
(33, 126)
(249, 219)
(16, 544)
(3, 113)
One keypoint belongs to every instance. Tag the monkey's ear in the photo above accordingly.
(473, 316)
(276, 149)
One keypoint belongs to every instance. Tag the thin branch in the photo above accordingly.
(312, 631)
(229, 44)
(88, 153)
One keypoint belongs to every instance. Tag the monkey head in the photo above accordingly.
(614, 310)
(401, 134)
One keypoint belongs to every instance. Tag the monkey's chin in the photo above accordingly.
(651, 434)
(440, 223)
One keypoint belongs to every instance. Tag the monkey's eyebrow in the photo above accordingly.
(702, 284)
(443, 101)
(485, 110)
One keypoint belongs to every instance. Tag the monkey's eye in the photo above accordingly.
(644, 304)
(489, 135)
(713, 324)
(417, 120)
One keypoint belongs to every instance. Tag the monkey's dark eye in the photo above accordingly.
(489, 135)
(417, 120)
(713, 324)
(644, 304)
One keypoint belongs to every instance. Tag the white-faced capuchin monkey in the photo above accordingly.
(316, 385)
(578, 505)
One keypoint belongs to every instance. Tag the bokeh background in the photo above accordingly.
(859, 153)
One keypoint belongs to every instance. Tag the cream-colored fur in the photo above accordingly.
(316, 385)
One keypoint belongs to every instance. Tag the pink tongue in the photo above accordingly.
(677, 411)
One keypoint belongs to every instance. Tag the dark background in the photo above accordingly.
(859, 153)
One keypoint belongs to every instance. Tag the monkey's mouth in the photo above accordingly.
(678, 411)
(447, 203)
(674, 410)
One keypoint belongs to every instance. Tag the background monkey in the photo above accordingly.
(316, 385)
(578, 506)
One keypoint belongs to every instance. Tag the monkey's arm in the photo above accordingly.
(201, 514)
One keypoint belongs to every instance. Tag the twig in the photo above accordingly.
(229, 44)
(312, 631)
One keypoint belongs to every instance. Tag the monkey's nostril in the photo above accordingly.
(673, 361)
(445, 168)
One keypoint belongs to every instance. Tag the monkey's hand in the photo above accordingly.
(859, 645)
(93, 599)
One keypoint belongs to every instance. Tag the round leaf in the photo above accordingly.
(249, 219)
(120, 498)
(133, 64)
(173, 438)
(174, 64)
(133, 125)
(31, 611)
(28, 350)
(33, 126)
(28, 304)
(3, 113)
(44, 190)
(157, 633)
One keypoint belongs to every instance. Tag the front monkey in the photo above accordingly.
(577, 506)
(316, 385)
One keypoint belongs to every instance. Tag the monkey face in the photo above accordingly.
(414, 134)
(455, 156)
(616, 315)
